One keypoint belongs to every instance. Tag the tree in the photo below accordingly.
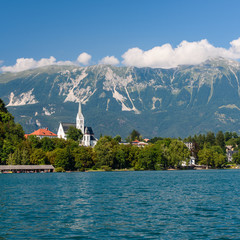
(176, 153)
(155, 139)
(47, 144)
(236, 157)
(64, 158)
(11, 134)
(125, 156)
(118, 138)
(59, 143)
(15, 158)
(220, 141)
(25, 157)
(212, 156)
(227, 136)
(234, 135)
(74, 134)
(210, 138)
(205, 157)
(51, 156)
(83, 158)
(151, 157)
(34, 141)
(104, 150)
(38, 157)
(134, 135)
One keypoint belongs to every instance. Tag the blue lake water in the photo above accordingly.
(121, 205)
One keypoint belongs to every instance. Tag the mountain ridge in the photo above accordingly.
(157, 102)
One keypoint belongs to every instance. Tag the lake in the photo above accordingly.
(121, 205)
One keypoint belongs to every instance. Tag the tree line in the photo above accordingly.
(109, 153)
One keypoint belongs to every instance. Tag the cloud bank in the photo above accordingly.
(109, 60)
(185, 53)
(164, 56)
(29, 63)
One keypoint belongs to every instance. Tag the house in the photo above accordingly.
(189, 145)
(230, 155)
(192, 162)
(229, 152)
(138, 143)
(88, 135)
(41, 133)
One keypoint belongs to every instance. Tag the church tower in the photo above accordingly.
(80, 119)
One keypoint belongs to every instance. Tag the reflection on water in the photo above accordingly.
(121, 205)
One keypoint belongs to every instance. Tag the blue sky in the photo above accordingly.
(65, 29)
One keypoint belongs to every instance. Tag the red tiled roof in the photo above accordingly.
(42, 132)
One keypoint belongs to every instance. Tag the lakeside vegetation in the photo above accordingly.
(109, 153)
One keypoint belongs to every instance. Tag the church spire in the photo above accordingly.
(80, 118)
(80, 109)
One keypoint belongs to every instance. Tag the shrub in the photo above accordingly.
(59, 169)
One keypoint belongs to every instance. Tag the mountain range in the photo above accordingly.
(174, 102)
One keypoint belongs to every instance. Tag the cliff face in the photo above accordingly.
(157, 102)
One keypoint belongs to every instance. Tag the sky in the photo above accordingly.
(142, 33)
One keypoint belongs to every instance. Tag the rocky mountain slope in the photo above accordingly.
(157, 102)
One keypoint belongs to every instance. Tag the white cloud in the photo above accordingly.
(109, 60)
(29, 63)
(84, 58)
(164, 56)
(185, 53)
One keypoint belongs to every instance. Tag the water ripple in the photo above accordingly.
(121, 205)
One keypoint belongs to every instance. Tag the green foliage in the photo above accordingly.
(125, 156)
(151, 158)
(210, 138)
(155, 139)
(212, 157)
(38, 157)
(83, 158)
(220, 140)
(64, 158)
(47, 144)
(134, 135)
(227, 136)
(11, 134)
(59, 169)
(106, 168)
(105, 153)
(236, 157)
(176, 153)
(34, 141)
(74, 134)
(118, 138)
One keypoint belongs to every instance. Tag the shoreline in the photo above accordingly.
(134, 170)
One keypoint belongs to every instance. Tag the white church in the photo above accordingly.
(88, 135)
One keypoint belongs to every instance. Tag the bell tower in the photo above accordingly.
(80, 119)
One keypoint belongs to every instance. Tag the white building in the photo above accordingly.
(192, 162)
(189, 145)
(88, 135)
